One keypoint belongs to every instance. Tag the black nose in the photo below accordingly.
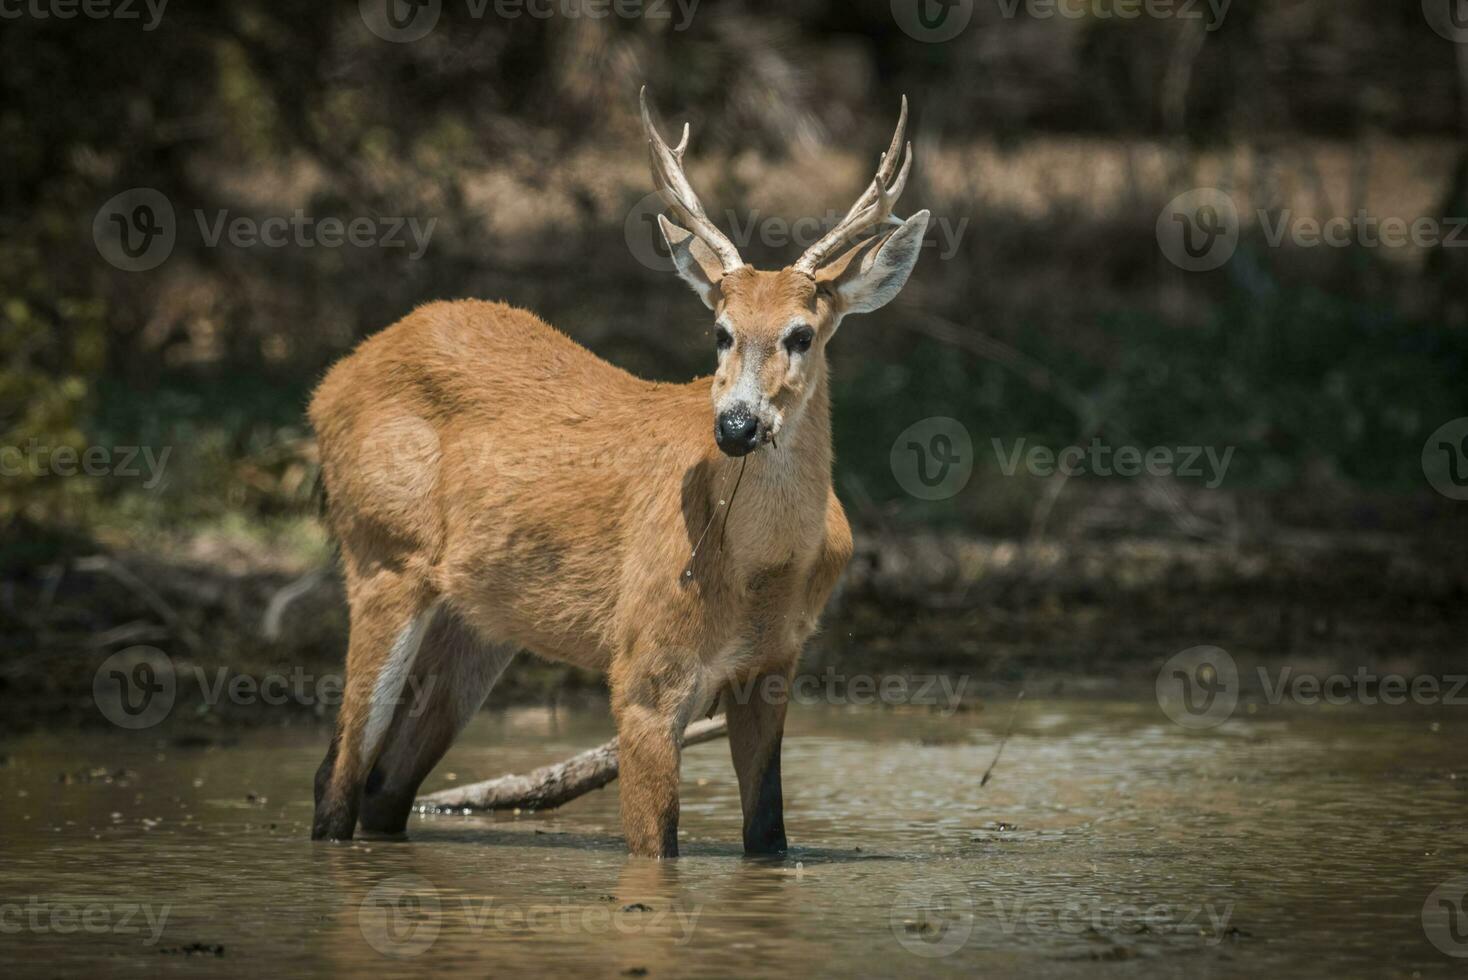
(737, 431)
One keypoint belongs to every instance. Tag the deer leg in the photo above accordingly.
(389, 620)
(454, 673)
(651, 711)
(756, 727)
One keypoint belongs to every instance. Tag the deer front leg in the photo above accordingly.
(756, 714)
(651, 709)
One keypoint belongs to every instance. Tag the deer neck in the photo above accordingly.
(778, 508)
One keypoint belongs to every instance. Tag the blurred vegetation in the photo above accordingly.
(519, 138)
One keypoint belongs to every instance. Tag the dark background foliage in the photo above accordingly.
(1049, 144)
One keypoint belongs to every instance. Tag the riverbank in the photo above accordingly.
(257, 639)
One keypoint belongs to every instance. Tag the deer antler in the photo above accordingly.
(672, 184)
(873, 208)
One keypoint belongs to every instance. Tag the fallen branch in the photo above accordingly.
(550, 786)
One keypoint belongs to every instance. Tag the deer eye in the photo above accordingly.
(800, 340)
(723, 339)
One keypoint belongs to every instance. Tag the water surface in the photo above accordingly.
(1109, 840)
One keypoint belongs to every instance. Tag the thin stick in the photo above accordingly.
(1008, 731)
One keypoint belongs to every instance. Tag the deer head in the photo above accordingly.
(771, 327)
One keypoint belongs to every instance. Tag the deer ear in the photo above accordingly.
(696, 263)
(869, 275)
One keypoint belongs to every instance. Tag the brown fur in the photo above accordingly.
(494, 487)
(552, 502)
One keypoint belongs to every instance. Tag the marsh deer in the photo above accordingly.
(493, 486)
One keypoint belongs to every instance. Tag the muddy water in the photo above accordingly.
(1109, 840)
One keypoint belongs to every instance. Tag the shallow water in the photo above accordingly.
(1109, 840)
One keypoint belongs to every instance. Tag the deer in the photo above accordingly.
(492, 487)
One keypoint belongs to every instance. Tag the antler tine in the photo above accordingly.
(874, 206)
(672, 183)
(886, 162)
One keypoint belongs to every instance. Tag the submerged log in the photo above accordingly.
(550, 786)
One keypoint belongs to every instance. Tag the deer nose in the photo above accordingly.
(737, 431)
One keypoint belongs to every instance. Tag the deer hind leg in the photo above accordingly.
(454, 673)
(389, 620)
